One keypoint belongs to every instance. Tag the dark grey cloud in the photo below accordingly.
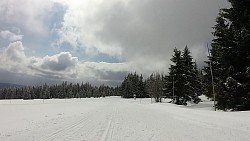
(142, 33)
(111, 75)
(46, 73)
(151, 29)
(25, 79)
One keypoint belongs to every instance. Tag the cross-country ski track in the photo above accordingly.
(116, 119)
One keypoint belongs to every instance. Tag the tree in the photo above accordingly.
(132, 85)
(230, 57)
(154, 86)
(26, 93)
(63, 90)
(197, 84)
(183, 82)
(141, 85)
(191, 77)
(176, 72)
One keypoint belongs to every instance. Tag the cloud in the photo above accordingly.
(103, 72)
(10, 36)
(25, 79)
(143, 33)
(28, 13)
(79, 26)
(58, 67)
(13, 58)
(15, 52)
(59, 62)
(139, 34)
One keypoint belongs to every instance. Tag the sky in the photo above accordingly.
(98, 41)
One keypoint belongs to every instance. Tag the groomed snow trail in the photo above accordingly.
(116, 119)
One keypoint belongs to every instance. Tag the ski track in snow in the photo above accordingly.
(108, 133)
(66, 130)
(116, 119)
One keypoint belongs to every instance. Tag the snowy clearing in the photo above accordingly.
(113, 118)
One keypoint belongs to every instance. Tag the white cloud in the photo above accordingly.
(61, 66)
(10, 36)
(13, 58)
(29, 13)
(59, 62)
(80, 25)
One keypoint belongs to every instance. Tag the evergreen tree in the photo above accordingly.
(183, 82)
(141, 85)
(63, 90)
(191, 77)
(197, 84)
(215, 59)
(230, 57)
(132, 85)
(176, 72)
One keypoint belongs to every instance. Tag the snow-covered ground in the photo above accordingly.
(113, 118)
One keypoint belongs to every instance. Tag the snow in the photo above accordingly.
(206, 104)
(113, 118)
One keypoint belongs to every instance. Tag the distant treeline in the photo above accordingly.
(64, 90)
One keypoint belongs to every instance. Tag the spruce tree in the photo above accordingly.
(197, 84)
(230, 57)
(176, 75)
(189, 75)
(184, 81)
